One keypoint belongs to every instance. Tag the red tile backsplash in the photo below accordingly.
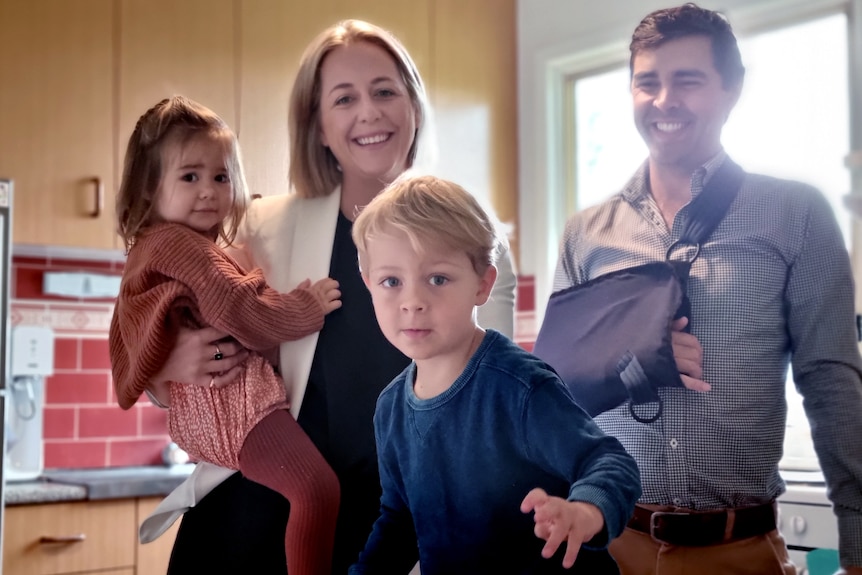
(76, 453)
(154, 421)
(83, 426)
(94, 354)
(59, 423)
(107, 421)
(135, 452)
(28, 283)
(66, 353)
(78, 388)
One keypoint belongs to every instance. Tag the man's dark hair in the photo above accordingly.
(687, 20)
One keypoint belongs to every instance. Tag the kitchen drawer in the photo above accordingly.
(101, 536)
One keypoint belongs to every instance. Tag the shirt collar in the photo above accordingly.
(637, 187)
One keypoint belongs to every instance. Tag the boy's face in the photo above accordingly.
(425, 302)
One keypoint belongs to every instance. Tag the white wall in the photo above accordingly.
(557, 37)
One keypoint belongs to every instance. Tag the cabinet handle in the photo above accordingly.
(99, 197)
(44, 540)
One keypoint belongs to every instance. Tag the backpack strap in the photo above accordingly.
(705, 212)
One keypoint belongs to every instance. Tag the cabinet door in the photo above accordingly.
(153, 557)
(168, 48)
(56, 120)
(69, 537)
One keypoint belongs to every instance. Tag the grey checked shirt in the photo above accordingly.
(772, 284)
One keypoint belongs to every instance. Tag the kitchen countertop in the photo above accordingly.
(94, 484)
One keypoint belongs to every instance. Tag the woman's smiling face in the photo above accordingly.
(367, 118)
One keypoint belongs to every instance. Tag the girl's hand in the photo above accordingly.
(558, 520)
(326, 291)
(193, 359)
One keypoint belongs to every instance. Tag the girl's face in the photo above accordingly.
(195, 189)
(367, 118)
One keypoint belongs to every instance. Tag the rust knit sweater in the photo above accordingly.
(175, 276)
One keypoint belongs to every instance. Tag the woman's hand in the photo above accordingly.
(688, 354)
(194, 359)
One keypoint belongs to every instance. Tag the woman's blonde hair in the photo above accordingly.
(432, 211)
(174, 119)
(314, 171)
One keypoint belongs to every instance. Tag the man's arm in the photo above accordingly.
(826, 366)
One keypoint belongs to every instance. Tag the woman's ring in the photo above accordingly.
(218, 354)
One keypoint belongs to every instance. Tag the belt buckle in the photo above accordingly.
(654, 529)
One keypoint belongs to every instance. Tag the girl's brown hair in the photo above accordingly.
(314, 171)
(175, 119)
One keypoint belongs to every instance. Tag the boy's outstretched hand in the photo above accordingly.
(558, 520)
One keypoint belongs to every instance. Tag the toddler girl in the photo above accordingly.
(183, 192)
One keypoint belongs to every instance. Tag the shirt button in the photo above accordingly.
(674, 443)
(677, 501)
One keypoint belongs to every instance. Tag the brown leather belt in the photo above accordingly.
(701, 528)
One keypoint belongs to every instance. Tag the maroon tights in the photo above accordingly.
(278, 454)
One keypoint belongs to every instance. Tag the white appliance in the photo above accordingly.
(805, 517)
(32, 358)
(5, 259)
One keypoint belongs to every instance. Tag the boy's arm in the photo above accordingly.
(561, 437)
(392, 546)
(559, 521)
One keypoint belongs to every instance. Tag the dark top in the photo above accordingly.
(353, 363)
(505, 426)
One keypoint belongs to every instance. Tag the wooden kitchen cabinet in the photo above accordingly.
(152, 558)
(76, 77)
(100, 537)
(79, 537)
(57, 120)
(168, 47)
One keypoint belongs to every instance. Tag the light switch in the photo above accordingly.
(32, 350)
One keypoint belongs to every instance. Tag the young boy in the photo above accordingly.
(476, 433)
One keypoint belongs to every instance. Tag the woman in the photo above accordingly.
(358, 111)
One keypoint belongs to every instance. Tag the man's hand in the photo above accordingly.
(849, 571)
(688, 354)
(558, 520)
(193, 359)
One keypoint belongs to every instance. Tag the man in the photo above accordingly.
(772, 283)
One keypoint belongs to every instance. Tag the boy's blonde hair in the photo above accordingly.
(431, 211)
(314, 171)
(175, 119)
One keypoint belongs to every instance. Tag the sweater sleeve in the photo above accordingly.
(172, 267)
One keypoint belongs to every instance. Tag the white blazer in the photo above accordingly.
(291, 240)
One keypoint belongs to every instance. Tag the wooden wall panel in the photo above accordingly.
(169, 47)
(474, 91)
